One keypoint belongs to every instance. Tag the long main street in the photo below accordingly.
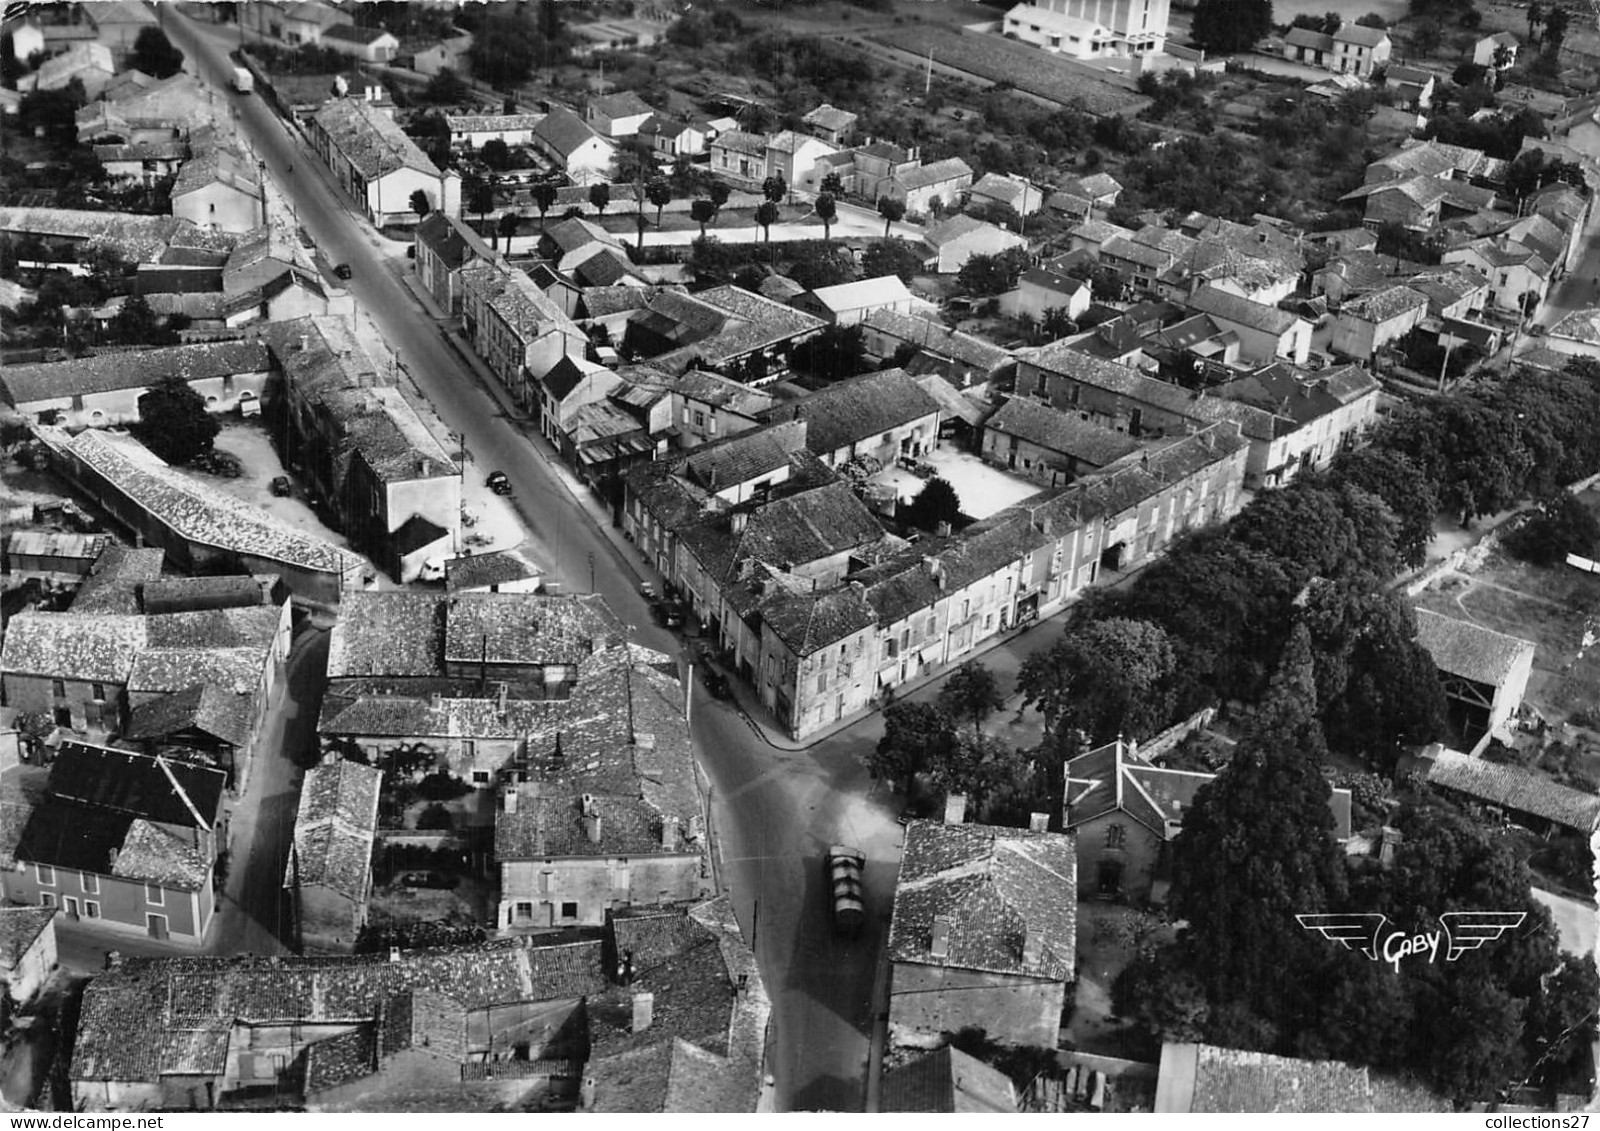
(774, 811)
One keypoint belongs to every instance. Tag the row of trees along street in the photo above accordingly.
(1284, 617)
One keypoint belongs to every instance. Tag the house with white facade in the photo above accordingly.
(374, 161)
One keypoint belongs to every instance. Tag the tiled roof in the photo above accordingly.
(752, 323)
(217, 711)
(745, 457)
(1205, 1078)
(1580, 326)
(1306, 37)
(387, 634)
(526, 628)
(1360, 35)
(1285, 391)
(830, 118)
(623, 104)
(808, 622)
(334, 829)
(137, 1023)
(1007, 189)
(1463, 648)
(885, 290)
(1513, 787)
(73, 645)
(451, 240)
(1061, 432)
(200, 513)
(935, 338)
(350, 33)
(1231, 308)
(117, 578)
(739, 141)
(788, 532)
(1381, 306)
(961, 226)
(496, 567)
(991, 888)
(563, 131)
(934, 173)
(947, 1080)
(370, 140)
(19, 927)
(849, 412)
(483, 123)
(1099, 231)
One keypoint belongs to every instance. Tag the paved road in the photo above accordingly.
(773, 811)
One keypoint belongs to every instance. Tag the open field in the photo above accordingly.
(1027, 68)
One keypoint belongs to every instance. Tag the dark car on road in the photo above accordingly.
(669, 612)
(281, 487)
(342, 270)
(498, 483)
(843, 868)
(716, 683)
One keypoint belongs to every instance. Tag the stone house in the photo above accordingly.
(329, 874)
(122, 843)
(369, 44)
(1370, 323)
(1265, 332)
(884, 415)
(103, 391)
(848, 304)
(1359, 50)
(1485, 673)
(517, 329)
(374, 161)
(617, 115)
(1519, 278)
(473, 131)
(984, 933)
(832, 125)
(954, 241)
(1125, 813)
(27, 950)
(794, 157)
(444, 247)
(576, 148)
(1484, 51)
(1044, 443)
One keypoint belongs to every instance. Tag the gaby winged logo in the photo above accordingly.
(1459, 932)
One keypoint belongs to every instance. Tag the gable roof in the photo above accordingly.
(851, 411)
(1463, 648)
(1060, 432)
(565, 132)
(335, 827)
(935, 173)
(884, 290)
(372, 141)
(962, 226)
(350, 33)
(19, 927)
(744, 457)
(990, 888)
(153, 788)
(1306, 37)
(1381, 306)
(1231, 308)
(1360, 35)
(134, 369)
(215, 710)
(623, 104)
(1205, 1078)
(830, 118)
(1515, 788)
(947, 1080)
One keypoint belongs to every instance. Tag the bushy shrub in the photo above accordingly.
(442, 787)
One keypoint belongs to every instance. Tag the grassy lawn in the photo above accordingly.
(1105, 948)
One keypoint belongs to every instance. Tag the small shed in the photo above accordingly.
(1484, 672)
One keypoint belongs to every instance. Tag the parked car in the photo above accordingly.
(843, 868)
(669, 612)
(427, 880)
(342, 270)
(716, 683)
(498, 483)
(281, 487)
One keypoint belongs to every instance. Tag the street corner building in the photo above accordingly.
(329, 874)
(984, 934)
(123, 842)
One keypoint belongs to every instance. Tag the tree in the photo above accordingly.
(600, 197)
(892, 211)
(1244, 868)
(1556, 22)
(833, 185)
(136, 324)
(174, 423)
(1395, 478)
(545, 196)
(1371, 19)
(971, 692)
(992, 274)
(767, 215)
(154, 54)
(1535, 19)
(774, 188)
(832, 355)
(1103, 678)
(719, 193)
(496, 154)
(1230, 26)
(659, 193)
(936, 503)
(827, 211)
(1559, 525)
(420, 204)
(507, 227)
(915, 735)
(446, 89)
(1426, 37)
(702, 212)
(891, 257)
(1469, 74)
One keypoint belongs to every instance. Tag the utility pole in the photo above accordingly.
(927, 82)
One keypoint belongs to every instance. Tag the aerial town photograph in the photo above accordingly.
(857, 556)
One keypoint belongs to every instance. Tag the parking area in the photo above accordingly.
(983, 489)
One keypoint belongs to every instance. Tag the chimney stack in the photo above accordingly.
(644, 1005)
(509, 799)
(394, 954)
(955, 808)
(586, 1094)
(1388, 844)
(1039, 822)
(591, 818)
(738, 521)
(669, 833)
(939, 942)
(503, 694)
